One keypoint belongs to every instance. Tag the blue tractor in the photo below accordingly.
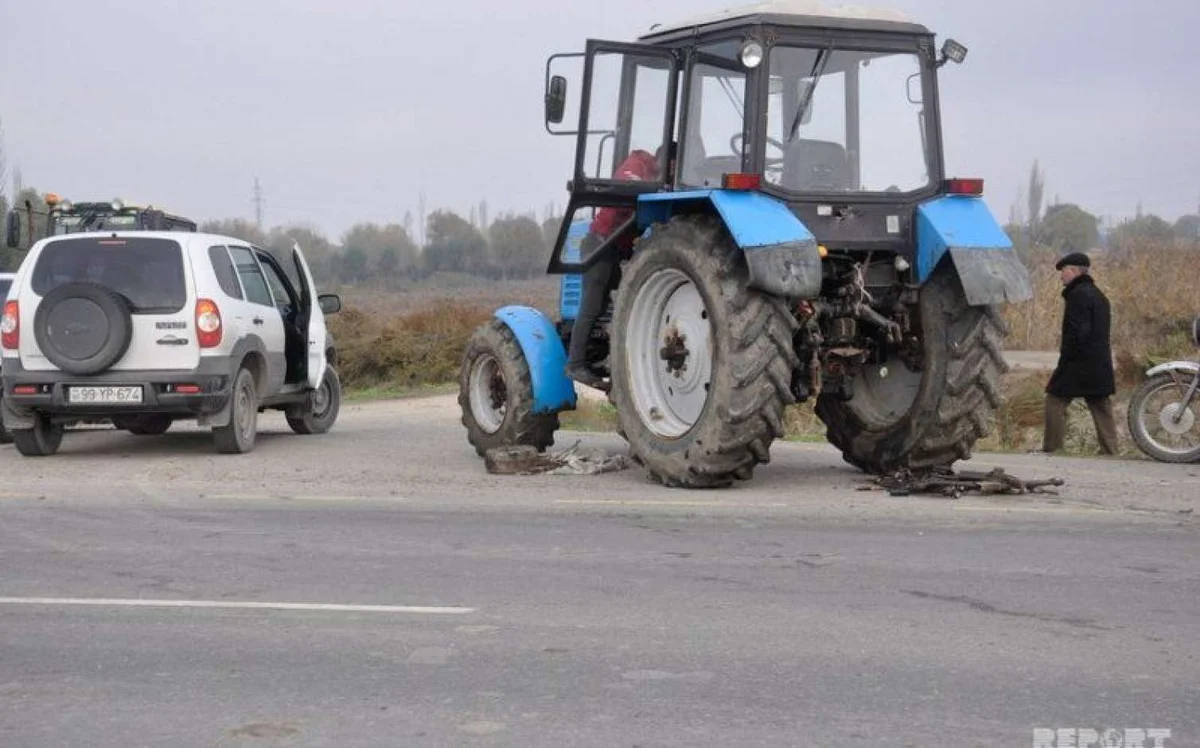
(807, 244)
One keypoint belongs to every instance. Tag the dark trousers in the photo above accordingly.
(1102, 417)
(598, 283)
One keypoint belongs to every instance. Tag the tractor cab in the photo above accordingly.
(833, 112)
(64, 217)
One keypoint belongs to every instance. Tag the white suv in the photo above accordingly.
(144, 328)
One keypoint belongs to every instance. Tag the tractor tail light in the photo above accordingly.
(741, 181)
(208, 323)
(961, 186)
(10, 326)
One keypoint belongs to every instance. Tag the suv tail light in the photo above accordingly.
(208, 323)
(10, 326)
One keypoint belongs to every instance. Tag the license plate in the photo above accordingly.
(88, 395)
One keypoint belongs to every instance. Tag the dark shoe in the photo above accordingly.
(585, 376)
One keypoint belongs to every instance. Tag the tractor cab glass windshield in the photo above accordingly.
(845, 121)
(713, 143)
(73, 224)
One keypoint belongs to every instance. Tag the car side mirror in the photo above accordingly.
(330, 303)
(12, 230)
(556, 99)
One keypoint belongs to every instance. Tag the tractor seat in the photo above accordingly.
(816, 166)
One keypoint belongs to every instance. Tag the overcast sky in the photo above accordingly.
(346, 110)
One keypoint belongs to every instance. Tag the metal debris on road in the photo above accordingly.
(946, 482)
(526, 460)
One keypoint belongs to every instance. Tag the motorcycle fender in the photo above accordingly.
(1183, 367)
(553, 391)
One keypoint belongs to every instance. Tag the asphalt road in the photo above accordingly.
(154, 593)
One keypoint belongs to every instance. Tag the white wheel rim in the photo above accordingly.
(322, 398)
(488, 393)
(669, 352)
(1159, 426)
(1176, 419)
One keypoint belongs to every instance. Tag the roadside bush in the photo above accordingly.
(419, 348)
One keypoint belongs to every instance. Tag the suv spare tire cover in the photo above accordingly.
(83, 328)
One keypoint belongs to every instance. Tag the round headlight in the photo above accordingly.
(752, 54)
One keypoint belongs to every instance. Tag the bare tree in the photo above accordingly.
(1037, 186)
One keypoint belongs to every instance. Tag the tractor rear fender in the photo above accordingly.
(781, 253)
(989, 268)
(547, 359)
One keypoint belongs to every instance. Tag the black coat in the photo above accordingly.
(1085, 365)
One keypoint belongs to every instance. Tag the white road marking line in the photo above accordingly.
(140, 603)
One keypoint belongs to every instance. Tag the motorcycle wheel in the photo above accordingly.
(1159, 422)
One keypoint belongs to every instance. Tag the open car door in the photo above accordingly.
(311, 318)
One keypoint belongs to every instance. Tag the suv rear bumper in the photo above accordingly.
(212, 378)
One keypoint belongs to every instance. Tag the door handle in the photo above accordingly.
(258, 320)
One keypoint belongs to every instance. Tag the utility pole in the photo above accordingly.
(258, 204)
(421, 217)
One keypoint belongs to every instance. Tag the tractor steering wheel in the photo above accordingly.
(773, 166)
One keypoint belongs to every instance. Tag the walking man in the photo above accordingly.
(1085, 366)
(602, 278)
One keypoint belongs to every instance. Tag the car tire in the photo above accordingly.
(238, 436)
(104, 321)
(319, 411)
(42, 440)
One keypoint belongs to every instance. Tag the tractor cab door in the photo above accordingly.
(627, 95)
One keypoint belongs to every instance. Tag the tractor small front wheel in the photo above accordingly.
(495, 392)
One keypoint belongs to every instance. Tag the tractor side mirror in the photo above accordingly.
(330, 303)
(556, 99)
(12, 229)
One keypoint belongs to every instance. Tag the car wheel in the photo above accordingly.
(42, 440)
(237, 437)
(318, 412)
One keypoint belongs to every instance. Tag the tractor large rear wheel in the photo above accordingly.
(496, 394)
(701, 364)
(899, 418)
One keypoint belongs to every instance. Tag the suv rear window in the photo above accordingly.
(5, 285)
(148, 272)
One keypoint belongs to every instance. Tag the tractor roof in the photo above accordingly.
(798, 13)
